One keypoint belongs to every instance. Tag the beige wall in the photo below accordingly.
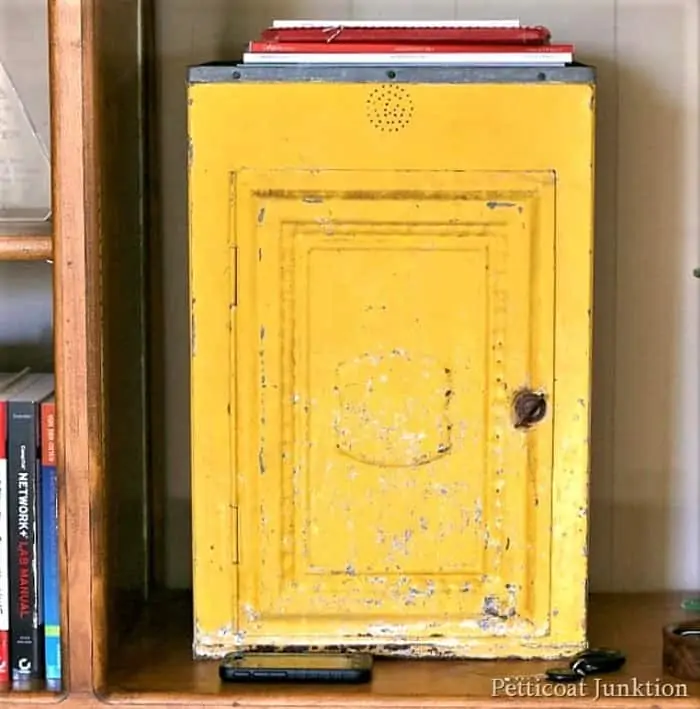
(645, 455)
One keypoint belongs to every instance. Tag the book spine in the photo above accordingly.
(4, 562)
(425, 35)
(26, 621)
(49, 532)
(369, 48)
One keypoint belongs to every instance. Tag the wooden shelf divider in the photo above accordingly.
(26, 248)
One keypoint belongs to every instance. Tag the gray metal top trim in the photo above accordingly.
(233, 73)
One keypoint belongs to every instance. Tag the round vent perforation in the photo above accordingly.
(389, 108)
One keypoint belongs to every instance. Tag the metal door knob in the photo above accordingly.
(529, 408)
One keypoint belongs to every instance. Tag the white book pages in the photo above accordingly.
(472, 59)
(460, 24)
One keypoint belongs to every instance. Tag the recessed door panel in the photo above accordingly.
(385, 325)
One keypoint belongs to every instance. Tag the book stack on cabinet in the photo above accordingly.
(496, 43)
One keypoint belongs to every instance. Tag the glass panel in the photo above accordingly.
(25, 172)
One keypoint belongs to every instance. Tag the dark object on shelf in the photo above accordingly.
(681, 650)
(562, 674)
(595, 661)
(320, 668)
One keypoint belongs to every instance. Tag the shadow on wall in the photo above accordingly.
(655, 495)
(604, 317)
(645, 413)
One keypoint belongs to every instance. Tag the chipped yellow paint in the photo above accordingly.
(365, 305)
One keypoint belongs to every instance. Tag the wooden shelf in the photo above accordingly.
(25, 241)
(156, 668)
(25, 248)
(30, 697)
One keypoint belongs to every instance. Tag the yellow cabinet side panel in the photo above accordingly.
(364, 309)
(213, 415)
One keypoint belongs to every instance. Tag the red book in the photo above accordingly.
(410, 35)
(369, 48)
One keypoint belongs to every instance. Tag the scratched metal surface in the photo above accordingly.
(236, 73)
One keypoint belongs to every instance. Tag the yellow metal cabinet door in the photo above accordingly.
(385, 322)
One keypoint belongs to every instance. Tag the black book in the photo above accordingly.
(24, 490)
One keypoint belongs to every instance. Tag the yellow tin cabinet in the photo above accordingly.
(391, 309)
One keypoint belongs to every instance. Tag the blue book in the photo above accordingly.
(49, 542)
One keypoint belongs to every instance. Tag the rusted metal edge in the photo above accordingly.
(233, 72)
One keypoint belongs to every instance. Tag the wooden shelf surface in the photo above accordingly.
(25, 241)
(25, 248)
(33, 697)
(156, 668)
